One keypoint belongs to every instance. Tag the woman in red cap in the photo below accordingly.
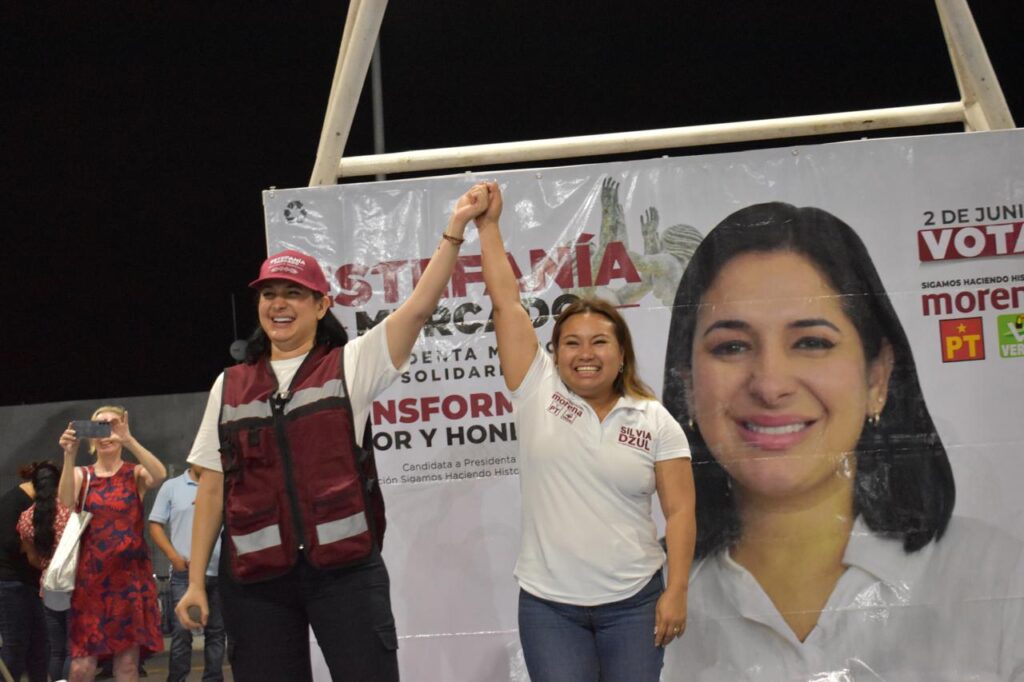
(290, 474)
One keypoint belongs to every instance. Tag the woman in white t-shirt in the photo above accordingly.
(826, 546)
(289, 473)
(594, 446)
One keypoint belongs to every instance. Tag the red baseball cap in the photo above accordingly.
(293, 266)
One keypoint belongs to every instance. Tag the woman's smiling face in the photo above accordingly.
(780, 387)
(589, 356)
(289, 314)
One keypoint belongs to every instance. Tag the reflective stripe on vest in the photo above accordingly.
(340, 529)
(258, 409)
(264, 538)
(335, 388)
(253, 410)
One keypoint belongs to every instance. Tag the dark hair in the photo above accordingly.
(627, 382)
(44, 476)
(328, 331)
(904, 484)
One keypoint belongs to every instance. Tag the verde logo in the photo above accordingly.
(1011, 335)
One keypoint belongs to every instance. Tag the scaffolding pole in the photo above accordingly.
(981, 107)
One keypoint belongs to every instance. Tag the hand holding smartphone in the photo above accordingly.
(86, 428)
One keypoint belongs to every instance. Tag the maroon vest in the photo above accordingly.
(294, 477)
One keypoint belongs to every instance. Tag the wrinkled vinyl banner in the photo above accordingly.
(830, 546)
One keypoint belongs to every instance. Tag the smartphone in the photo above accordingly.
(85, 428)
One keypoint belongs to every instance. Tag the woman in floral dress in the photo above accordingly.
(114, 611)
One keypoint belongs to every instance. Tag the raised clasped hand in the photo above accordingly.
(471, 204)
(494, 205)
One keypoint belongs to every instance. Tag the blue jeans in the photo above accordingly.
(609, 642)
(23, 630)
(57, 634)
(180, 662)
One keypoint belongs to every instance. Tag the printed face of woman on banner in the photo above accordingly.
(794, 381)
(780, 386)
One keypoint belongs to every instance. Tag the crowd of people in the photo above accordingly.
(819, 482)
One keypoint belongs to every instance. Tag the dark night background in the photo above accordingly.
(137, 136)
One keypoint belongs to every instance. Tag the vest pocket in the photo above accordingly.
(258, 446)
(340, 531)
(257, 546)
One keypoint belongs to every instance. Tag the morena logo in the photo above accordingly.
(287, 260)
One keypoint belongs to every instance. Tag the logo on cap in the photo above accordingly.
(294, 266)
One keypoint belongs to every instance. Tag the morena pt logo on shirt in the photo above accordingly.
(560, 406)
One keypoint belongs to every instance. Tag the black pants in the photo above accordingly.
(349, 610)
(24, 646)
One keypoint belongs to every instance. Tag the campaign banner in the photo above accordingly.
(926, 569)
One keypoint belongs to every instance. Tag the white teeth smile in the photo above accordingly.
(775, 430)
(281, 319)
(588, 368)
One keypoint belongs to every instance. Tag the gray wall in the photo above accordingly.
(166, 424)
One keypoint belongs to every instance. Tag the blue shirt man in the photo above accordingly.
(175, 505)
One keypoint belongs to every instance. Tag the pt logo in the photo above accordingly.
(962, 339)
(560, 406)
(1010, 333)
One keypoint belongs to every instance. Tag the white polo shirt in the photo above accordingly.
(953, 610)
(368, 372)
(588, 537)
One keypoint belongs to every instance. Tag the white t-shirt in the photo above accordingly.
(588, 536)
(368, 372)
(953, 610)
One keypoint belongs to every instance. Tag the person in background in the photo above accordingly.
(22, 622)
(594, 444)
(175, 508)
(40, 528)
(114, 609)
(290, 472)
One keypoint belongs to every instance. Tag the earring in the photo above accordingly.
(622, 367)
(846, 468)
(689, 422)
(874, 419)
